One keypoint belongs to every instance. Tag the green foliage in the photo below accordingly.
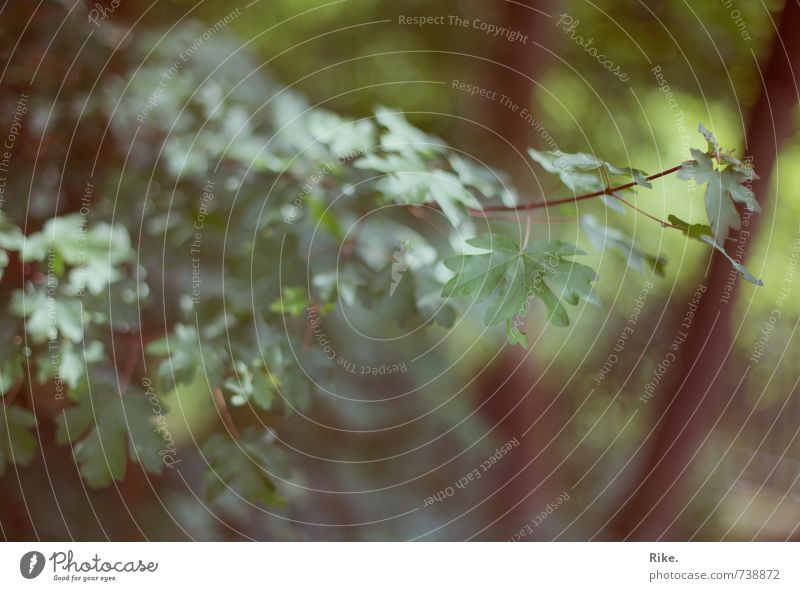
(584, 172)
(293, 301)
(184, 357)
(17, 443)
(705, 234)
(242, 466)
(11, 236)
(407, 160)
(601, 236)
(517, 274)
(107, 429)
(306, 220)
(94, 253)
(252, 383)
(11, 371)
(726, 184)
(47, 317)
(725, 178)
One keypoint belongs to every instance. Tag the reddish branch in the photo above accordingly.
(561, 201)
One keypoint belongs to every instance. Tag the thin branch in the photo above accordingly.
(129, 368)
(541, 204)
(420, 213)
(309, 329)
(516, 217)
(13, 391)
(644, 213)
(527, 233)
(222, 406)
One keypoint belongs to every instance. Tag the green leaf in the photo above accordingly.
(410, 180)
(725, 184)
(402, 137)
(254, 384)
(325, 217)
(95, 253)
(722, 214)
(11, 370)
(293, 302)
(713, 146)
(696, 231)
(488, 182)
(3, 262)
(344, 137)
(46, 317)
(106, 429)
(70, 361)
(17, 443)
(516, 336)
(414, 169)
(69, 319)
(242, 466)
(582, 172)
(11, 237)
(515, 276)
(97, 257)
(575, 179)
(705, 234)
(185, 357)
(601, 237)
(637, 176)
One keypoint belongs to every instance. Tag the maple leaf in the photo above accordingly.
(705, 234)
(517, 275)
(106, 429)
(584, 172)
(17, 443)
(725, 185)
(241, 466)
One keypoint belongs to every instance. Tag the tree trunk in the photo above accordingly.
(512, 403)
(512, 72)
(690, 401)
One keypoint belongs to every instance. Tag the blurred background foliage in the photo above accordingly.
(91, 82)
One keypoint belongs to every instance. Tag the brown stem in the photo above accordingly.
(527, 233)
(606, 191)
(309, 329)
(515, 217)
(419, 212)
(219, 399)
(130, 365)
(12, 392)
(644, 213)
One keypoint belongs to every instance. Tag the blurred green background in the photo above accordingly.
(349, 56)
